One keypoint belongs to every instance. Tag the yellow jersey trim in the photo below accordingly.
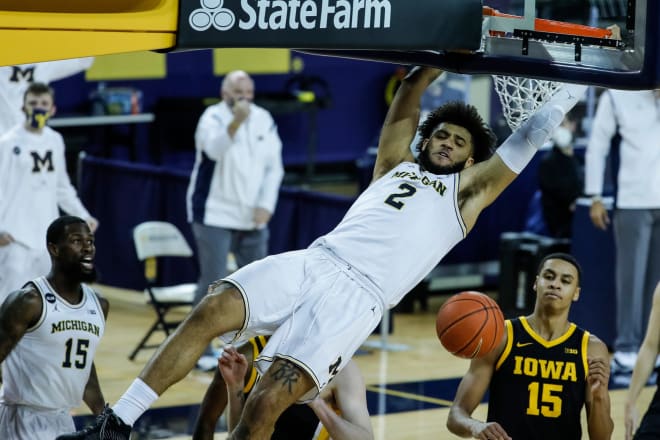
(585, 345)
(541, 340)
(509, 343)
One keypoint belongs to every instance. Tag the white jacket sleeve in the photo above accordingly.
(270, 187)
(67, 198)
(602, 131)
(54, 70)
(211, 135)
(4, 173)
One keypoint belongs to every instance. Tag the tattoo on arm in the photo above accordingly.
(287, 374)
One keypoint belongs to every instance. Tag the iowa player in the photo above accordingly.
(544, 372)
(236, 377)
(49, 331)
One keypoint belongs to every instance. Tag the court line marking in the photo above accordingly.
(411, 396)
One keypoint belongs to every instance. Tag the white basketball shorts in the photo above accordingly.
(317, 308)
(20, 422)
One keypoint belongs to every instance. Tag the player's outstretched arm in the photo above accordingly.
(470, 392)
(485, 181)
(216, 399)
(402, 120)
(599, 420)
(351, 397)
(214, 403)
(644, 365)
(233, 366)
(20, 311)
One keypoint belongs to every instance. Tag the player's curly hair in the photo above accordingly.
(466, 116)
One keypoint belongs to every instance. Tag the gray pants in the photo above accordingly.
(213, 246)
(637, 238)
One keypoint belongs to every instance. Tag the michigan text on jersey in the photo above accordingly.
(71, 324)
(436, 184)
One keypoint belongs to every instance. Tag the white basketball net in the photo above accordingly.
(521, 97)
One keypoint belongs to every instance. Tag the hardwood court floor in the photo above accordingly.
(411, 387)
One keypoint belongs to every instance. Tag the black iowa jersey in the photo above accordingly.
(538, 388)
(298, 422)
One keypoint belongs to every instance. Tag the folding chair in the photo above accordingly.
(153, 240)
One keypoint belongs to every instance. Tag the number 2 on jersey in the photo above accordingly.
(81, 353)
(407, 190)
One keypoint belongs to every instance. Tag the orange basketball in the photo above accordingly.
(470, 325)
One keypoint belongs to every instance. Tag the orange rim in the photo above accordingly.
(554, 26)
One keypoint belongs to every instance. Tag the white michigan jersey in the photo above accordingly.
(50, 365)
(33, 184)
(399, 229)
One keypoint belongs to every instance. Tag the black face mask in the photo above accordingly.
(425, 161)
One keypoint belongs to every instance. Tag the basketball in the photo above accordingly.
(470, 325)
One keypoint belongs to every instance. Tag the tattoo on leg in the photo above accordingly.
(286, 373)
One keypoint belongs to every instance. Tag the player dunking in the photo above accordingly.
(320, 304)
(49, 331)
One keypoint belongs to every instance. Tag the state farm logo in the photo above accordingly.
(212, 13)
(293, 14)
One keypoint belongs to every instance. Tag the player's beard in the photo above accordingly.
(75, 271)
(425, 161)
(88, 277)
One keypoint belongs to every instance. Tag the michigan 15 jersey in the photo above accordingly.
(538, 388)
(399, 229)
(50, 366)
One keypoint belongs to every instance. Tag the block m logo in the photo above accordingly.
(39, 162)
(18, 74)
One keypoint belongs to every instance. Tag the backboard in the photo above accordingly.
(564, 40)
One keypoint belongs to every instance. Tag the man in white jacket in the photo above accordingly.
(234, 184)
(635, 115)
(34, 186)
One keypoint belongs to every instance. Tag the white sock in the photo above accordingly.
(135, 401)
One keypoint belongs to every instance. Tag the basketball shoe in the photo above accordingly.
(106, 427)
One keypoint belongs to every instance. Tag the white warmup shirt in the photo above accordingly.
(232, 177)
(33, 183)
(637, 116)
(50, 366)
(399, 229)
(14, 81)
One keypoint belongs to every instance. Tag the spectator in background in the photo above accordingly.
(34, 186)
(561, 179)
(234, 184)
(646, 359)
(14, 81)
(636, 220)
